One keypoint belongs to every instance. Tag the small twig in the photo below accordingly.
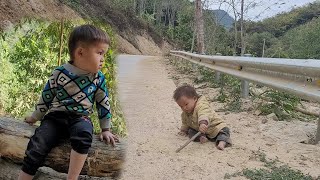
(231, 165)
(185, 144)
(61, 41)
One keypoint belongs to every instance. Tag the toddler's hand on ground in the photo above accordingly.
(203, 128)
(109, 137)
(30, 120)
(182, 133)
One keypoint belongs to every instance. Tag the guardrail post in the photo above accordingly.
(244, 89)
(318, 132)
(194, 67)
(245, 84)
(217, 76)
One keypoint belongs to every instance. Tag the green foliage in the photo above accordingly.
(261, 156)
(275, 173)
(294, 34)
(183, 66)
(281, 23)
(222, 96)
(217, 38)
(232, 87)
(223, 41)
(122, 4)
(280, 103)
(6, 73)
(229, 176)
(29, 55)
(255, 43)
(277, 50)
(304, 41)
(109, 69)
(148, 17)
(206, 75)
(34, 56)
(183, 33)
(270, 171)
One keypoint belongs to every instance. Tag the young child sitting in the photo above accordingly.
(67, 101)
(198, 116)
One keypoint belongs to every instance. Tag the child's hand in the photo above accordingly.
(203, 128)
(30, 120)
(182, 133)
(109, 137)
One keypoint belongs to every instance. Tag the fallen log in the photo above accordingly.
(10, 171)
(103, 160)
(304, 111)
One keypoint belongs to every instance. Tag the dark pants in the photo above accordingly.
(223, 135)
(56, 127)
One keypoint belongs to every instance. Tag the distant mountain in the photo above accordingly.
(223, 18)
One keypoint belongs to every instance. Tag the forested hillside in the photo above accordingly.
(174, 21)
(293, 34)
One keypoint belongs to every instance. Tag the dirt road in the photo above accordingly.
(153, 120)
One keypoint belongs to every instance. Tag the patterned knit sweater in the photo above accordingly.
(72, 89)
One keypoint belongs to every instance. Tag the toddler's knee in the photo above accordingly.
(36, 152)
(81, 141)
(32, 161)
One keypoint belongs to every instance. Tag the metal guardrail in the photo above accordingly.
(300, 77)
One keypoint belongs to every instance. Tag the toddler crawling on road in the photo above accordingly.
(198, 116)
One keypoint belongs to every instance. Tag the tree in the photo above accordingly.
(233, 5)
(217, 37)
(242, 28)
(257, 42)
(240, 8)
(235, 13)
(199, 23)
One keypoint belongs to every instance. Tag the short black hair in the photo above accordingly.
(185, 90)
(87, 34)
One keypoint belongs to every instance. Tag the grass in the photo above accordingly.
(276, 173)
(272, 170)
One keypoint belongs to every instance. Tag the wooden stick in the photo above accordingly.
(185, 144)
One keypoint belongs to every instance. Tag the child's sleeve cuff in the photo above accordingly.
(105, 123)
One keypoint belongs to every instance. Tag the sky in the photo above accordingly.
(263, 8)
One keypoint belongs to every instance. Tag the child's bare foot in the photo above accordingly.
(182, 133)
(203, 139)
(221, 145)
